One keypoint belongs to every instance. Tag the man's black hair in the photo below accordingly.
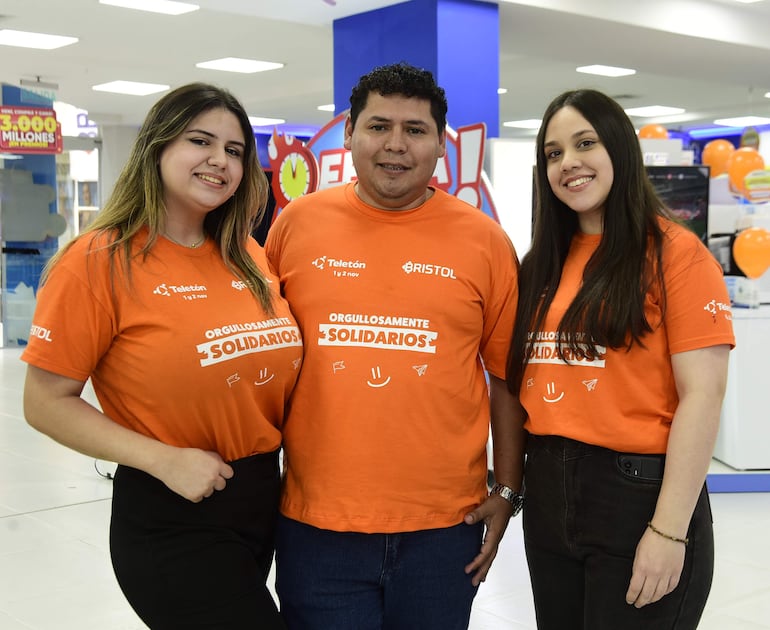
(403, 79)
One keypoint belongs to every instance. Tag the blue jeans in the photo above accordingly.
(351, 581)
(583, 518)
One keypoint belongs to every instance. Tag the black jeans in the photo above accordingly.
(185, 565)
(583, 518)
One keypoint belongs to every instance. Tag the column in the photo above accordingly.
(457, 40)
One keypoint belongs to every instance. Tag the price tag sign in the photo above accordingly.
(29, 130)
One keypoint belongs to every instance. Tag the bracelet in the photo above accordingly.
(660, 533)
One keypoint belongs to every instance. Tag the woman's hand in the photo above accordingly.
(52, 405)
(657, 568)
(194, 474)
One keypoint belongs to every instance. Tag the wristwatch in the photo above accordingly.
(514, 498)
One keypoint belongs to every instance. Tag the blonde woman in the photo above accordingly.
(168, 305)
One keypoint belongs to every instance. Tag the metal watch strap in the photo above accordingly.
(509, 494)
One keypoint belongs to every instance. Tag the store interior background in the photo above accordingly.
(709, 57)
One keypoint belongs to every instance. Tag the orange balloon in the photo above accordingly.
(751, 251)
(654, 131)
(715, 154)
(740, 163)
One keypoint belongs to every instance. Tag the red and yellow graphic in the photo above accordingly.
(295, 172)
(323, 162)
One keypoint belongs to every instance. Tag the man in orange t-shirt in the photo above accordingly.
(404, 295)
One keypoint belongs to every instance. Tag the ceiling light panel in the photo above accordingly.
(41, 41)
(259, 121)
(654, 111)
(236, 64)
(166, 7)
(133, 88)
(606, 71)
(531, 123)
(743, 121)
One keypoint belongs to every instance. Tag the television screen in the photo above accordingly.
(685, 190)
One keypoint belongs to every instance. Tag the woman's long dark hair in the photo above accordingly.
(609, 306)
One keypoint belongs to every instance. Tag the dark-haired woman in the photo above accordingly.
(620, 360)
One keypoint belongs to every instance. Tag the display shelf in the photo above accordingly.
(744, 432)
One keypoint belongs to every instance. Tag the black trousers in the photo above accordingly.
(186, 566)
(583, 517)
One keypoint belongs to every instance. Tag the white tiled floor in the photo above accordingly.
(55, 571)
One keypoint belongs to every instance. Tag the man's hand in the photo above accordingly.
(495, 512)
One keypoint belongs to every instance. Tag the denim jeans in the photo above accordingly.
(583, 518)
(352, 581)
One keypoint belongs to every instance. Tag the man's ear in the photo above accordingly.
(348, 132)
(442, 144)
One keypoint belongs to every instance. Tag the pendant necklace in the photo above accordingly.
(197, 243)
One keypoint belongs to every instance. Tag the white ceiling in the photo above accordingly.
(711, 57)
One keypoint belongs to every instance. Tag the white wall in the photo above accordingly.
(117, 141)
(509, 165)
(764, 147)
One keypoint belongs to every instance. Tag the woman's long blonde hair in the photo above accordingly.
(137, 198)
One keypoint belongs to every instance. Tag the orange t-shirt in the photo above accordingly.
(625, 400)
(388, 424)
(186, 355)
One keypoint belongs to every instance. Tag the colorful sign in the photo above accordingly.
(29, 130)
(323, 162)
(757, 186)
